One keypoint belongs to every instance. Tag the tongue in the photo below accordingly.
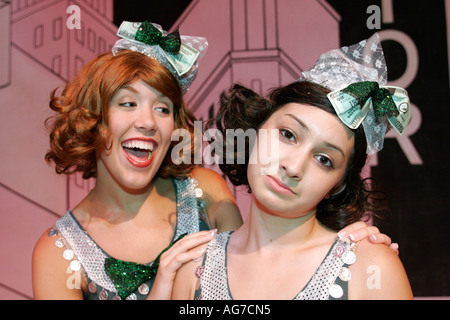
(138, 154)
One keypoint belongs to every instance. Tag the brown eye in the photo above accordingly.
(287, 135)
(324, 161)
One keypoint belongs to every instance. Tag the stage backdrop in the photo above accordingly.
(260, 43)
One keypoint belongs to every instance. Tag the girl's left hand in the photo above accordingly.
(360, 230)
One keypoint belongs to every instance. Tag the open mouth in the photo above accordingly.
(139, 152)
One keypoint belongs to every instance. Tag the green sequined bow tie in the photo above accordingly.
(383, 104)
(149, 34)
(128, 276)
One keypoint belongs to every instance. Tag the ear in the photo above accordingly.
(336, 190)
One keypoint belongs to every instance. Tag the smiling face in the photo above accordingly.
(313, 153)
(141, 123)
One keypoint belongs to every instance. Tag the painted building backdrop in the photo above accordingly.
(260, 43)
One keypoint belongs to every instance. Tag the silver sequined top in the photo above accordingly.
(84, 253)
(328, 283)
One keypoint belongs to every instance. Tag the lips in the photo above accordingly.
(279, 186)
(139, 152)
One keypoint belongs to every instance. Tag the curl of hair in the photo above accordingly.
(242, 108)
(79, 130)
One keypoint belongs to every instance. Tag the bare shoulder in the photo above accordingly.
(378, 273)
(51, 279)
(221, 205)
(205, 175)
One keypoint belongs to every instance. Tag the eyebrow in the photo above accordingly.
(306, 128)
(133, 90)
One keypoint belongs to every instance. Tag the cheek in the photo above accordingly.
(166, 129)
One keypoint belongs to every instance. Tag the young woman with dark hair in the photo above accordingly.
(288, 247)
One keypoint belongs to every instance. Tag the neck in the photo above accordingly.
(266, 230)
(113, 203)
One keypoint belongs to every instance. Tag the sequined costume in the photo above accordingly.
(85, 255)
(329, 282)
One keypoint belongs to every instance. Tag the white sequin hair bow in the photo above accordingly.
(360, 63)
(183, 64)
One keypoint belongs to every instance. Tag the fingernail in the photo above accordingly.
(352, 237)
(213, 232)
(374, 237)
(342, 234)
(201, 251)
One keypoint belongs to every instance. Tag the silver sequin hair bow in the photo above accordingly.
(357, 75)
(183, 64)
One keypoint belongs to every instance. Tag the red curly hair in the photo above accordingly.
(79, 131)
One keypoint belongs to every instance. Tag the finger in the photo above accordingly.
(370, 232)
(170, 265)
(394, 246)
(380, 238)
(188, 243)
(344, 233)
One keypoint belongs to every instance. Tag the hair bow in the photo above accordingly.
(147, 33)
(128, 276)
(353, 104)
(178, 54)
(361, 69)
(382, 102)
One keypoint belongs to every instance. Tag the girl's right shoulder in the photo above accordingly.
(50, 271)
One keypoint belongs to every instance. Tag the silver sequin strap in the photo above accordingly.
(213, 278)
(92, 258)
(325, 284)
(188, 194)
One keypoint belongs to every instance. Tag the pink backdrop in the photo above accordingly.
(259, 43)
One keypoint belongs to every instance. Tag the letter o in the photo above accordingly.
(412, 56)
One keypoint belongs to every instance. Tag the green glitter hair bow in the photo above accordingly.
(128, 276)
(177, 53)
(147, 33)
(357, 75)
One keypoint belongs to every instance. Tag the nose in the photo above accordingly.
(145, 120)
(293, 166)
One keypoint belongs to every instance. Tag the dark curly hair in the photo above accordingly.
(79, 131)
(243, 108)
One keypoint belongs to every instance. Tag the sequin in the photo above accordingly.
(199, 271)
(132, 297)
(75, 265)
(103, 295)
(349, 257)
(336, 291)
(144, 289)
(68, 254)
(339, 250)
(92, 287)
(194, 183)
(201, 203)
(52, 232)
(60, 242)
(198, 192)
(345, 274)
